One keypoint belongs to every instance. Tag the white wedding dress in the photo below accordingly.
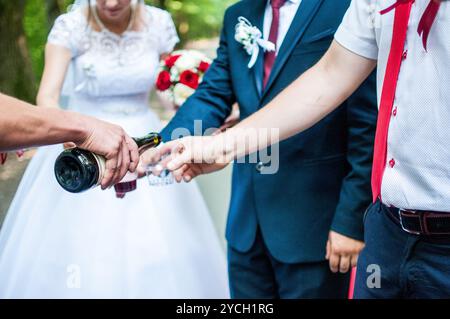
(157, 242)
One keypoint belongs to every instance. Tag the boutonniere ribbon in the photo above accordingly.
(251, 38)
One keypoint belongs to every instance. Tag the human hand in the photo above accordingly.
(69, 145)
(111, 142)
(188, 172)
(342, 252)
(151, 157)
(197, 150)
(231, 120)
(186, 158)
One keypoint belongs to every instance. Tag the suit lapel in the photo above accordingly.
(256, 17)
(304, 15)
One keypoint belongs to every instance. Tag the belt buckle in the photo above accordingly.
(400, 217)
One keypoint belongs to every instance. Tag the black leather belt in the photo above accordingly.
(421, 222)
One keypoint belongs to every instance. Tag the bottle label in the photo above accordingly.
(101, 163)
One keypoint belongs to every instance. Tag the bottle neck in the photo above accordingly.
(148, 141)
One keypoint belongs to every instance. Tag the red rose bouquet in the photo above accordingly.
(180, 74)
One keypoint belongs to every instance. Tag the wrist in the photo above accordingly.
(77, 130)
(225, 147)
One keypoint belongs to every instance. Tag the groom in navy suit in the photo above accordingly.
(283, 227)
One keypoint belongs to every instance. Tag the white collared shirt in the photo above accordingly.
(417, 173)
(287, 14)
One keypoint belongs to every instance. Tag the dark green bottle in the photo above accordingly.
(78, 170)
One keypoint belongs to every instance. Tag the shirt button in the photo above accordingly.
(392, 163)
(405, 55)
(394, 112)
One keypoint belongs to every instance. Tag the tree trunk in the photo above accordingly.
(161, 4)
(54, 9)
(16, 75)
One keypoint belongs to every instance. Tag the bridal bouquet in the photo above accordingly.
(180, 74)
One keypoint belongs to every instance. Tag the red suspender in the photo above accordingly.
(402, 13)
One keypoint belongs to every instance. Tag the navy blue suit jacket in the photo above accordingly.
(323, 180)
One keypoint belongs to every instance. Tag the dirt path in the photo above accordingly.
(10, 176)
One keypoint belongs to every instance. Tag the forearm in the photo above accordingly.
(305, 102)
(57, 60)
(198, 116)
(23, 125)
(47, 99)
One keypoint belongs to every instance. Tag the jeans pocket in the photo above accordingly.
(369, 209)
(365, 214)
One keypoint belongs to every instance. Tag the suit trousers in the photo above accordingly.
(255, 274)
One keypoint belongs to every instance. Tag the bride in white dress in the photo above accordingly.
(157, 242)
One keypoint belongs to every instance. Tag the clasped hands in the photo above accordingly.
(190, 157)
(186, 158)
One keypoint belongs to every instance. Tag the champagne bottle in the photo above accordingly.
(78, 170)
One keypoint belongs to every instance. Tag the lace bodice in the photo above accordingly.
(106, 65)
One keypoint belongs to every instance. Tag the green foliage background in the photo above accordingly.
(195, 19)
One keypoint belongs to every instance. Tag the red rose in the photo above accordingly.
(171, 59)
(163, 82)
(189, 78)
(203, 66)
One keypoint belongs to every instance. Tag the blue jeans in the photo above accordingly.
(395, 264)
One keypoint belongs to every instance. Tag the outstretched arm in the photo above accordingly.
(316, 93)
(24, 125)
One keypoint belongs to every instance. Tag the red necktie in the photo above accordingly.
(269, 57)
(402, 13)
(427, 20)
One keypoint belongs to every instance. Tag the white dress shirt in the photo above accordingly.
(287, 14)
(417, 173)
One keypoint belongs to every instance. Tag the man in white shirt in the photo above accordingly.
(304, 245)
(407, 229)
(414, 182)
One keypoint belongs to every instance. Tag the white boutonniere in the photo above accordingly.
(251, 38)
